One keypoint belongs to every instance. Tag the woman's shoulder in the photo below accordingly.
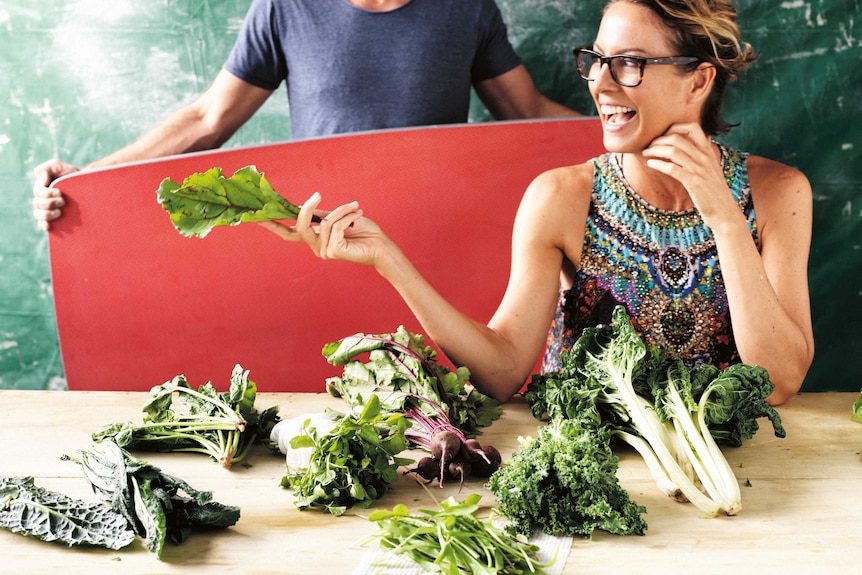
(573, 178)
(769, 176)
(780, 193)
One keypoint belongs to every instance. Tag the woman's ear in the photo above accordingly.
(701, 81)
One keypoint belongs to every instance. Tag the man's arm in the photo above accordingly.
(513, 96)
(206, 123)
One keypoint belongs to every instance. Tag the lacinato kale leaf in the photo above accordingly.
(564, 482)
(30, 510)
(160, 507)
(206, 200)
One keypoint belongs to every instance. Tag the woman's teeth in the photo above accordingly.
(616, 114)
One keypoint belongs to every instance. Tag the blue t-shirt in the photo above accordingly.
(349, 69)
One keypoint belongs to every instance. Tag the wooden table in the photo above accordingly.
(802, 498)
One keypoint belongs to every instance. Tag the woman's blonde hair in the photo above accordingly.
(707, 30)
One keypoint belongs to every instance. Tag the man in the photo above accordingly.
(349, 65)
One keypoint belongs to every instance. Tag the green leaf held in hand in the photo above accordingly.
(205, 200)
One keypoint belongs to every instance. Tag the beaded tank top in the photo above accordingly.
(662, 265)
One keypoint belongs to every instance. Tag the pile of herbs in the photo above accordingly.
(209, 199)
(30, 510)
(159, 508)
(674, 416)
(351, 465)
(179, 417)
(453, 540)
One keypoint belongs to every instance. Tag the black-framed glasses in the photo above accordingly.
(626, 70)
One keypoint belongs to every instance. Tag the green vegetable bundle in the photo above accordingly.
(444, 410)
(181, 418)
(674, 416)
(856, 410)
(564, 482)
(453, 541)
(158, 506)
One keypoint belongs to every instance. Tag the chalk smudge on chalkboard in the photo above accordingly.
(4, 345)
(118, 71)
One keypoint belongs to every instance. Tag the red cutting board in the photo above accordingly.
(137, 303)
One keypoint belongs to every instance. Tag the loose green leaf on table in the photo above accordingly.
(30, 510)
(209, 199)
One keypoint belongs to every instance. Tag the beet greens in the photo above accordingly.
(445, 412)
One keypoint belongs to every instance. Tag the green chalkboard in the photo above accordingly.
(80, 78)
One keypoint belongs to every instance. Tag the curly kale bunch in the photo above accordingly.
(564, 482)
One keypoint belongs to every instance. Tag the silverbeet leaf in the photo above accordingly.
(209, 199)
(30, 510)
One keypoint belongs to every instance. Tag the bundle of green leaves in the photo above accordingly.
(674, 416)
(159, 507)
(181, 418)
(351, 465)
(564, 482)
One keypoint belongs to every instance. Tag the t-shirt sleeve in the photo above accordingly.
(256, 56)
(495, 54)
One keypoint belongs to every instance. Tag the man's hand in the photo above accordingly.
(48, 202)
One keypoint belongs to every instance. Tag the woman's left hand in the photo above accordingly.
(687, 154)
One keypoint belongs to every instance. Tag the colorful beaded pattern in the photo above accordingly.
(662, 265)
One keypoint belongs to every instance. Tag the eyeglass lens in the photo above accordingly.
(624, 70)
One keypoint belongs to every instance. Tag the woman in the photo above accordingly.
(645, 225)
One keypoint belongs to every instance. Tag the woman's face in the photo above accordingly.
(633, 117)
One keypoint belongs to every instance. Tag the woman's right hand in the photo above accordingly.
(342, 234)
(48, 202)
